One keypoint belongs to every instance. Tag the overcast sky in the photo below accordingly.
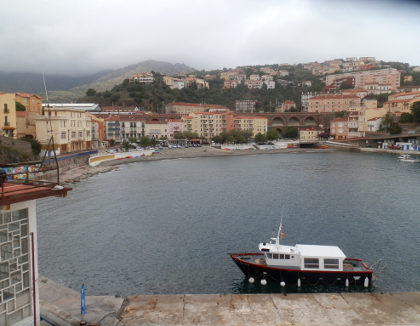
(85, 36)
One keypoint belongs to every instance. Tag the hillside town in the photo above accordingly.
(347, 108)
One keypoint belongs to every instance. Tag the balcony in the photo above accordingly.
(353, 124)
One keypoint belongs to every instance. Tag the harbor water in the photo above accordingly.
(166, 227)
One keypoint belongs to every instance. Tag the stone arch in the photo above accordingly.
(293, 122)
(310, 121)
(277, 122)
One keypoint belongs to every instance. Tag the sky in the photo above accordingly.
(81, 37)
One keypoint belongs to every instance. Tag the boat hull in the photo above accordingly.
(251, 268)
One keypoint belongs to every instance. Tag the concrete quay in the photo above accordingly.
(61, 306)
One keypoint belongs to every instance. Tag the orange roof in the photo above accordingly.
(156, 123)
(406, 93)
(311, 128)
(174, 120)
(28, 95)
(402, 100)
(339, 119)
(248, 117)
(356, 90)
(14, 192)
(199, 105)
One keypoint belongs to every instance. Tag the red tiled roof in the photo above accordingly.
(199, 105)
(14, 192)
(374, 119)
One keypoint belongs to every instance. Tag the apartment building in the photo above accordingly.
(131, 127)
(112, 129)
(156, 129)
(376, 89)
(254, 84)
(8, 114)
(98, 136)
(333, 102)
(230, 84)
(339, 128)
(256, 125)
(71, 128)
(187, 108)
(208, 124)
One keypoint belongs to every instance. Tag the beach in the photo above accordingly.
(77, 173)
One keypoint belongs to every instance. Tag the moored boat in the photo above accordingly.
(408, 158)
(302, 264)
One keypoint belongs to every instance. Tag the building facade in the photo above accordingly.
(245, 106)
(333, 103)
(8, 114)
(339, 128)
(187, 108)
(255, 125)
(71, 128)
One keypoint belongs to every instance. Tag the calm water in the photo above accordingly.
(167, 226)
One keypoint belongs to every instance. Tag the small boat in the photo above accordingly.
(408, 158)
(302, 264)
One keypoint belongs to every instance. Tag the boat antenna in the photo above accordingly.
(279, 233)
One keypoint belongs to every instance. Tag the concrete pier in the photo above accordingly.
(61, 306)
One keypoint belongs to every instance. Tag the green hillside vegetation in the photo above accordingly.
(153, 97)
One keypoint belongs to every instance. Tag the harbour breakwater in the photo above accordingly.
(61, 306)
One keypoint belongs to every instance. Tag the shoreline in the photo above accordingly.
(81, 172)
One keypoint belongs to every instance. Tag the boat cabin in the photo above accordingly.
(303, 257)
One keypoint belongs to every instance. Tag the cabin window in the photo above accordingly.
(275, 256)
(311, 263)
(281, 256)
(286, 256)
(331, 263)
(269, 256)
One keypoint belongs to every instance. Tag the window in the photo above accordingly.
(63, 135)
(269, 256)
(275, 256)
(311, 262)
(80, 134)
(5, 108)
(73, 134)
(331, 263)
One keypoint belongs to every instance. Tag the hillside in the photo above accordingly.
(68, 88)
(153, 97)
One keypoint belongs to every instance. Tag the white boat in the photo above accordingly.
(301, 264)
(408, 158)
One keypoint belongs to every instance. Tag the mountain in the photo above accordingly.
(68, 88)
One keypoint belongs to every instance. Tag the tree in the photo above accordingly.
(272, 134)
(260, 138)
(345, 85)
(406, 117)
(35, 144)
(340, 114)
(395, 129)
(91, 92)
(20, 107)
(387, 121)
(291, 132)
(217, 139)
(144, 141)
(415, 109)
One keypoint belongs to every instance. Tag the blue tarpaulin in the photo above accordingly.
(83, 303)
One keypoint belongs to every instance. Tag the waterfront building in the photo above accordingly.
(174, 126)
(309, 134)
(19, 291)
(112, 129)
(333, 102)
(70, 127)
(131, 126)
(156, 129)
(304, 98)
(209, 124)
(256, 125)
(408, 89)
(97, 133)
(245, 106)
(8, 114)
(339, 128)
(401, 102)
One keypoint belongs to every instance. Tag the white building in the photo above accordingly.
(374, 124)
(270, 84)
